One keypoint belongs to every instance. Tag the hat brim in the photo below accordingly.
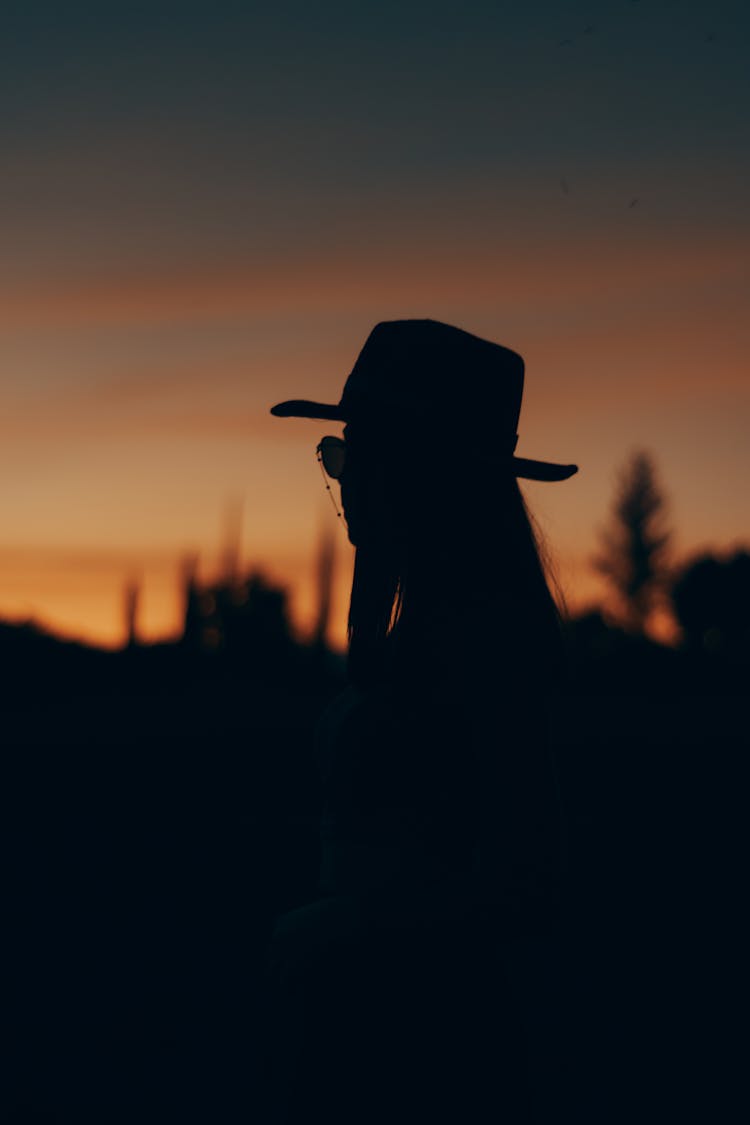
(522, 466)
(301, 408)
(542, 470)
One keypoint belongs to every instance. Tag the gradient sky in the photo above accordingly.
(206, 207)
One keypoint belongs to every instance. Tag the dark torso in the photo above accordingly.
(440, 793)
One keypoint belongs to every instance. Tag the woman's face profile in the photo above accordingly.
(364, 493)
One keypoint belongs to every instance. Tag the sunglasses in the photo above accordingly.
(331, 452)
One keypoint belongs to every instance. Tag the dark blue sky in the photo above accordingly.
(214, 115)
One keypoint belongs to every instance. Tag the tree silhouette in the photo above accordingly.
(634, 546)
(711, 601)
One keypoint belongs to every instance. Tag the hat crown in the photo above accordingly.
(431, 370)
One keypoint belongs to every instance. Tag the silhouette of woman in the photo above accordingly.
(441, 836)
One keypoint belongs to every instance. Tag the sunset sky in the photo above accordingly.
(206, 207)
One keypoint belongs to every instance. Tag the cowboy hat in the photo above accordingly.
(434, 373)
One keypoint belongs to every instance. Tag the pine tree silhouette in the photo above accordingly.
(634, 548)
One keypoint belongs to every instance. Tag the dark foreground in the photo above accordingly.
(148, 848)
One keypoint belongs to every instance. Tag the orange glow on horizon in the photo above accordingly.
(82, 598)
(134, 405)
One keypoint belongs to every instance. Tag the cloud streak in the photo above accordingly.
(539, 277)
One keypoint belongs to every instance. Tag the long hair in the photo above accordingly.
(459, 570)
